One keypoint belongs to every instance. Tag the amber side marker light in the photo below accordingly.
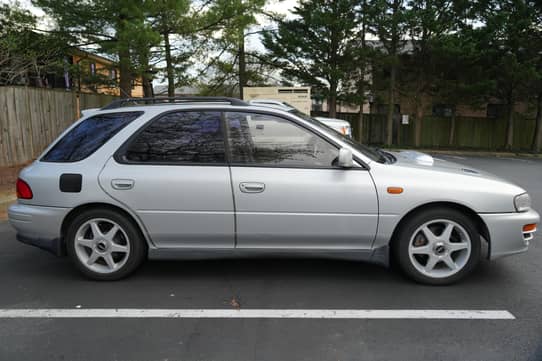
(395, 190)
(529, 228)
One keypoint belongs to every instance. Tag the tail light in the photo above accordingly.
(23, 190)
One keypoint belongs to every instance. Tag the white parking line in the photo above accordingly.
(255, 313)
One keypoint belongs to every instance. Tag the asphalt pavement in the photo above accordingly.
(31, 278)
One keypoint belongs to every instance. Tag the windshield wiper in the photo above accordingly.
(385, 156)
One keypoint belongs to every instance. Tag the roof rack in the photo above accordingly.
(171, 100)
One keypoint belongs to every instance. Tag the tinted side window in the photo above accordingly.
(179, 138)
(270, 140)
(88, 136)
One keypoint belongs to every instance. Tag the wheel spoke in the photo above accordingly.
(93, 258)
(449, 262)
(457, 246)
(447, 233)
(421, 250)
(118, 248)
(89, 243)
(111, 233)
(429, 235)
(431, 263)
(109, 260)
(96, 231)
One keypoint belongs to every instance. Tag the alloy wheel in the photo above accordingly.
(101, 245)
(439, 248)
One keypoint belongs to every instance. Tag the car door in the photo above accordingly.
(173, 174)
(287, 191)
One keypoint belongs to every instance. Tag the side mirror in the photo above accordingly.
(345, 158)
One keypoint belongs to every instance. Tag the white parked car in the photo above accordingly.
(339, 125)
(209, 176)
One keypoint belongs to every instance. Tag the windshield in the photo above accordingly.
(374, 154)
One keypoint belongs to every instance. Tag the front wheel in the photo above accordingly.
(437, 246)
(105, 245)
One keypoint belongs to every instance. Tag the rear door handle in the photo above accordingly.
(251, 187)
(122, 184)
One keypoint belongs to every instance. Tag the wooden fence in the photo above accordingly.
(470, 133)
(31, 118)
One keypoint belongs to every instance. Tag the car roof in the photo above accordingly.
(129, 102)
(161, 104)
(156, 109)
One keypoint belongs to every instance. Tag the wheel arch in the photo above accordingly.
(480, 224)
(98, 205)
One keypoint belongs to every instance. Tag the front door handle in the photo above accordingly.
(122, 184)
(251, 187)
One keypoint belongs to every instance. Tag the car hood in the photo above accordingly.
(334, 121)
(409, 158)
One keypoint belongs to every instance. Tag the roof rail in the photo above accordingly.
(171, 100)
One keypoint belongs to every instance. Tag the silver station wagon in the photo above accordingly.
(197, 177)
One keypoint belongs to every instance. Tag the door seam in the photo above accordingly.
(234, 210)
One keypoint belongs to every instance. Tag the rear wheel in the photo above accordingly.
(105, 245)
(437, 246)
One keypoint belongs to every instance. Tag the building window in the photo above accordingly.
(92, 68)
(113, 74)
(442, 110)
(496, 110)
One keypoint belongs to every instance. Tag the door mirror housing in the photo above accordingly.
(346, 159)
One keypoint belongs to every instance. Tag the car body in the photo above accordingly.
(225, 178)
(339, 125)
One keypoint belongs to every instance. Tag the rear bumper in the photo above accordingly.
(506, 232)
(38, 226)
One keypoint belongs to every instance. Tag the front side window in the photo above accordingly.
(180, 137)
(269, 140)
(89, 135)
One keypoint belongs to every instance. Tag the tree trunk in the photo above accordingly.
(125, 68)
(360, 124)
(451, 137)
(391, 106)
(537, 136)
(242, 66)
(125, 76)
(510, 126)
(169, 67)
(146, 76)
(418, 125)
(147, 87)
(332, 100)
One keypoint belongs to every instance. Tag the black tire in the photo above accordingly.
(137, 244)
(402, 239)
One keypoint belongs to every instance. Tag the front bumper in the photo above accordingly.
(38, 226)
(506, 232)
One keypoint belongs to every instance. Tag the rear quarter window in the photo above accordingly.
(88, 136)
